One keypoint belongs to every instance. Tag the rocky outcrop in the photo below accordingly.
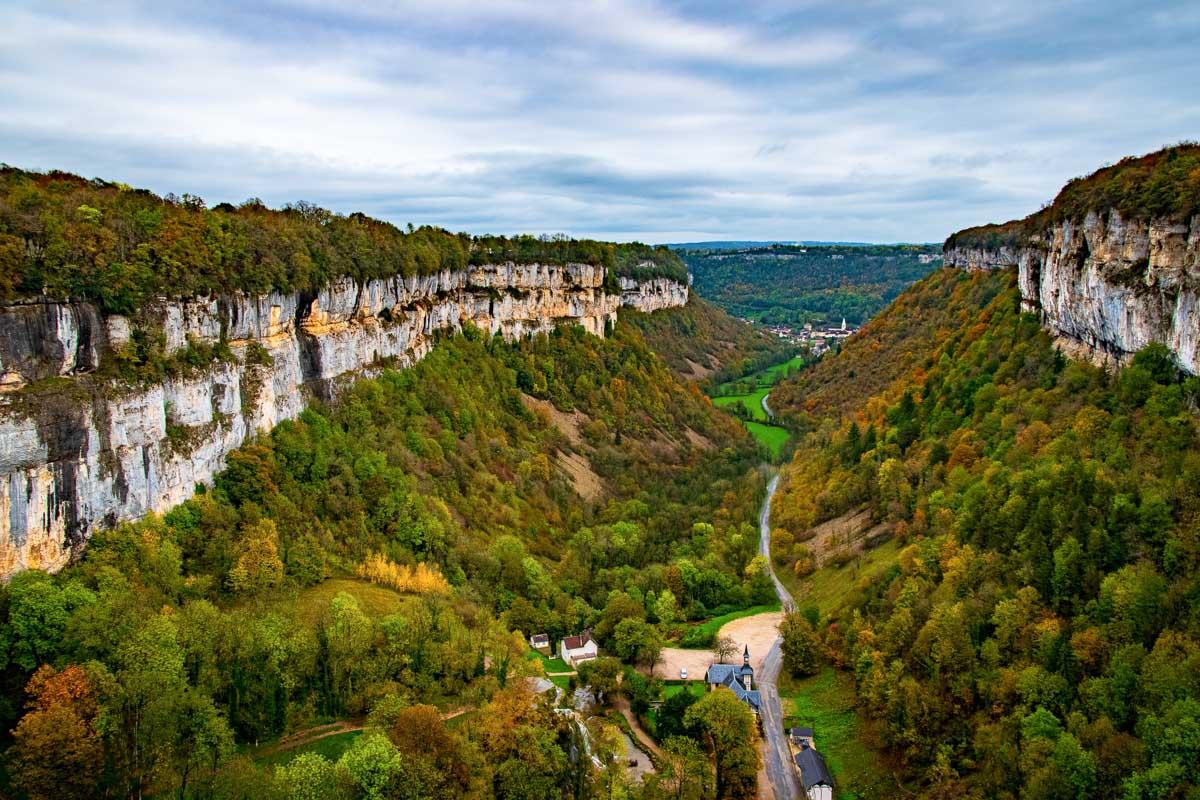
(1106, 286)
(78, 450)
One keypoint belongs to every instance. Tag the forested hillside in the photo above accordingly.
(884, 354)
(385, 555)
(1038, 634)
(792, 284)
(703, 342)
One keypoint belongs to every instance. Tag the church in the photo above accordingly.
(738, 679)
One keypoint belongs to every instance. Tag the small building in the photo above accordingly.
(541, 643)
(814, 775)
(738, 679)
(574, 650)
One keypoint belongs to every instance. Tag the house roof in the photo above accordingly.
(813, 771)
(801, 732)
(577, 642)
(718, 673)
(540, 638)
(730, 677)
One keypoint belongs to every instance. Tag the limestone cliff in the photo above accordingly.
(1106, 285)
(78, 450)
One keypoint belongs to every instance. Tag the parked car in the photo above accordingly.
(683, 673)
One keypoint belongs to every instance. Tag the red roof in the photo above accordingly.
(576, 642)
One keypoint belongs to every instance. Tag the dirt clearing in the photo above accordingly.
(758, 632)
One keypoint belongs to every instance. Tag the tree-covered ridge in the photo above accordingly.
(377, 556)
(703, 342)
(66, 237)
(794, 284)
(884, 354)
(1162, 184)
(1039, 633)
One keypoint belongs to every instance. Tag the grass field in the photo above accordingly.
(828, 587)
(825, 703)
(764, 378)
(771, 436)
(711, 626)
(555, 664)
(375, 601)
(331, 747)
(672, 688)
(752, 402)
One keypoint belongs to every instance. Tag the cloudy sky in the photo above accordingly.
(654, 120)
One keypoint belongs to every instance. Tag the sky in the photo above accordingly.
(624, 119)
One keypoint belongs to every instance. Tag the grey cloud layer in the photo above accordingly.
(626, 119)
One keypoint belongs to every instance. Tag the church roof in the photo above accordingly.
(730, 677)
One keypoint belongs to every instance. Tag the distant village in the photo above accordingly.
(817, 340)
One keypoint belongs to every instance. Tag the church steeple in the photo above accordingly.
(747, 671)
(746, 657)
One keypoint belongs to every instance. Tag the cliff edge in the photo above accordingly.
(144, 338)
(1113, 264)
(79, 449)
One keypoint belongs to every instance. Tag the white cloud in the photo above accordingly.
(630, 117)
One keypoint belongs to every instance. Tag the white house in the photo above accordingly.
(541, 643)
(576, 649)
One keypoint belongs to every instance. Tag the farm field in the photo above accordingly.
(744, 399)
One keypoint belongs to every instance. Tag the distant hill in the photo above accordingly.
(735, 244)
(799, 283)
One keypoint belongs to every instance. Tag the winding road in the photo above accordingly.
(767, 409)
(777, 757)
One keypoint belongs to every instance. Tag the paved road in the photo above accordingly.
(776, 756)
(766, 408)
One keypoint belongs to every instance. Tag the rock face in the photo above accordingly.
(1108, 286)
(83, 452)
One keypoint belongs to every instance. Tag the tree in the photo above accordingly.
(58, 749)
(637, 641)
(201, 741)
(603, 674)
(1069, 565)
(724, 647)
(666, 608)
(640, 690)
(347, 639)
(419, 733)
(151, 687)
(685, 771)
(673, 712)
(619, 608)
(372, 764)
(258, 566)
(726, 724)
(39, 607)
(309, 776)
(894, 489)
(801, 650)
